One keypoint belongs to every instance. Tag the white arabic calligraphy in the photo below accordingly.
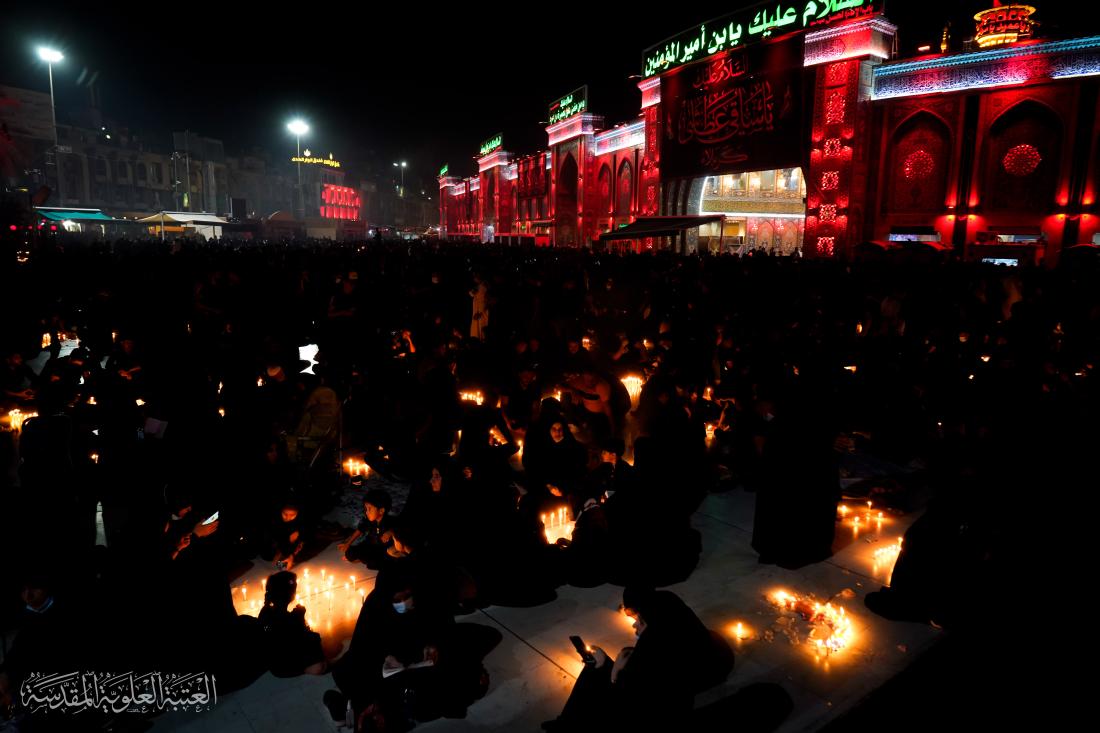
(125, 692)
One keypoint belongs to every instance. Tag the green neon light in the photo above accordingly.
(443, 170)
(750, 25)
(492, 144)
(571, 104)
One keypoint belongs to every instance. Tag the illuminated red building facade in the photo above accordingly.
(792, 131)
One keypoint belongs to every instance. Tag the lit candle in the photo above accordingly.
(353, 580)
(221, 411)
(843, 510)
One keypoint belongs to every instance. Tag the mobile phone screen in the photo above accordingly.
(582, 649)
(213, 518)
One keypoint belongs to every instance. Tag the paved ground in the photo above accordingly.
(534, 667)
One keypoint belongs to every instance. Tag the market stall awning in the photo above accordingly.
(659, 226)
(183, 217)
(73, 214)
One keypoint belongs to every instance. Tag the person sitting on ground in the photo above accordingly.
(400, 665)
(586, 556)
(594, 394)
(557, 468)
(373, 535)
(613, 475)
(293, 648)
(652, 684)
(285, 542)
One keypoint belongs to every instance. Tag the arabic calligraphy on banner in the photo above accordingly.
(745, 26)
(492, 144)
(571, 104)
(742, 111)
(329, 162)
(117, 693)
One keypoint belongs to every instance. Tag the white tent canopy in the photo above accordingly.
(183, 217)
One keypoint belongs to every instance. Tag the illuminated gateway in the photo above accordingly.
(785, 129)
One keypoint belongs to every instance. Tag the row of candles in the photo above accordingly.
(355, 467)
(17, 417)
(558, 525)
(323, 599)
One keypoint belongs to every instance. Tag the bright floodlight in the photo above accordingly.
(403, 164)
(298, 127)
(49, 55)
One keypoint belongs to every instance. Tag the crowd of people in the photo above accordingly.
(168, 388)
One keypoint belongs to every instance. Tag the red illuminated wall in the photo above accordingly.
(340, 202)
(836, 114)
(988, 161)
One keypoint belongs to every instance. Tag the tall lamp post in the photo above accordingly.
(51, 57)
(402, 165)
(299, 128)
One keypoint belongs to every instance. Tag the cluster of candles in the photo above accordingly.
(633, 384)
(711, 428)
(356, 467)
(16, 417)
(496, 437)
(823, 616)
(884, 558)
(474, 396)
(586, 343)
(46, 341)
(329, 603)
(844, 511)
(557, 525)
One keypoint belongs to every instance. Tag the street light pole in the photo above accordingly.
(402, 165)
(49, 55)
(299, 128)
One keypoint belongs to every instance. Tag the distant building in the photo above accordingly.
(796, 133)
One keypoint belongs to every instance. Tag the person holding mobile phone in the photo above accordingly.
(652, 684)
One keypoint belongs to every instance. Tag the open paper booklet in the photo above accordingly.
(391, 671)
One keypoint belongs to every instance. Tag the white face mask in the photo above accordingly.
(400, 607)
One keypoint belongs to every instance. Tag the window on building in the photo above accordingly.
(767, 181)
(122, 170)
(101, 167)
(139, 172)
(157, 172)
(790, 179)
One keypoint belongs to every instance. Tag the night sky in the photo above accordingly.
(408, 82)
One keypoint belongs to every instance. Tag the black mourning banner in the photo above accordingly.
(741, 111)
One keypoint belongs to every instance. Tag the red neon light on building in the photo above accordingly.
(340, 202)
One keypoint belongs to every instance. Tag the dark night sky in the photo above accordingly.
(411, 82)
